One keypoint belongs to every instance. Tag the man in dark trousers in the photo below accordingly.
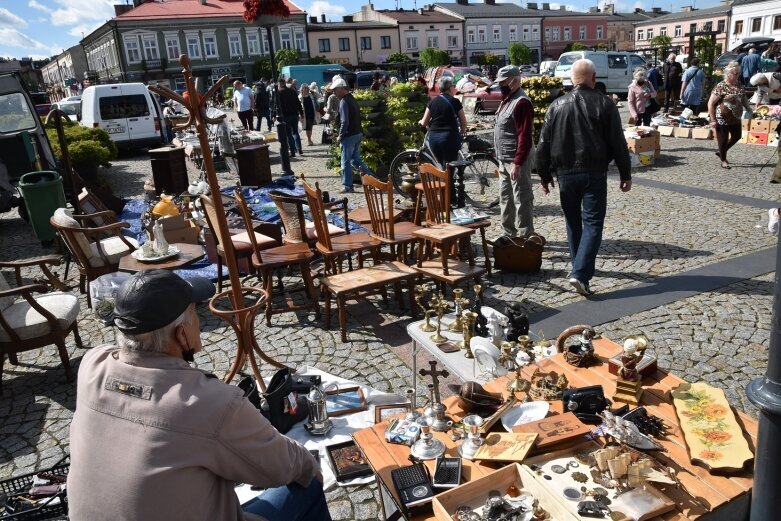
(581, 135)
(262, 103)
(289, 109)
(671, 72)
(350, 134)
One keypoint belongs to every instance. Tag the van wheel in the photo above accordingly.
(601, 88)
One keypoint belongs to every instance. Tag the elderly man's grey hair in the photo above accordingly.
(732, 66)
(155, 341)
(445, 83)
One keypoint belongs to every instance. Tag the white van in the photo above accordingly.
(614, 69)
(127, 111)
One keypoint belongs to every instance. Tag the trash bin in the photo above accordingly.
(43, 194)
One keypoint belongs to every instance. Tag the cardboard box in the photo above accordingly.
(745, 124)
(772, 139)
(702, 133)
(682, 132)
(657, 153)
(647, 158)
(643, 144)
(763, 125)
(744, 137)
(666, 131)
(757, 138)
(177, 229)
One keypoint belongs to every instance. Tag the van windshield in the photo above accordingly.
(569, 59)
(117, 107)
(15, 114)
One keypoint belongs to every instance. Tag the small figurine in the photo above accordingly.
(481, 324)
(518, 321)
(539, 513)
(629, 383)
(496, 329)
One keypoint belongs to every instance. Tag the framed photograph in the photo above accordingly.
(347, 461)
(345, 401)
(383, 412)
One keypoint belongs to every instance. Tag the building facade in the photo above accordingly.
(65, 72)
(754, 18)
(491, 27)
(561, 28)
(680, 25)
(350, 43)
(421, 29)
(143, 43)
(620, 26)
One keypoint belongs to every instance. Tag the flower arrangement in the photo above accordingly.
(255, 8)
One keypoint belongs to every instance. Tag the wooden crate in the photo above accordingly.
(474, 493)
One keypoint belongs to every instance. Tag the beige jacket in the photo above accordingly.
(155, 439)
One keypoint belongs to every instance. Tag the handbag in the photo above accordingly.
(521, 254)
(280, 405)
(654, 107)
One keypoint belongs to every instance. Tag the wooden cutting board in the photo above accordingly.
(555, 429)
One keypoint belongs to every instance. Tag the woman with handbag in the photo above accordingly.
(725, 108)
(693, 86)
(642, 98)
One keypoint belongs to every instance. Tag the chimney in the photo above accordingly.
(656, 10)
(420, 11)
(687, 9)
(202, 2)
(562, 8)
(545, 6)
(312, 19)
(348, 19)
(322, 18)
(121, 8)
(639, 10)
(531, 5)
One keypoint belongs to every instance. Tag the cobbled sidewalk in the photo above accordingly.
(720, 337)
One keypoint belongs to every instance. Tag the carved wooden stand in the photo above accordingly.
(240, 316)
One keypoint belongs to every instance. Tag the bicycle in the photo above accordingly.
(481, 175)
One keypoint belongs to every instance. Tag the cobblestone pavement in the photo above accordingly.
(721, 336)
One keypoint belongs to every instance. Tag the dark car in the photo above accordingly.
(760, 43)
(364, 79)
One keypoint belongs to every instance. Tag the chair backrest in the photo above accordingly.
(291, 211)
(245, 215)
(314, 197)
(436, 188)
(210, 211)
(379, 200)
(76, 241)
(89, 203)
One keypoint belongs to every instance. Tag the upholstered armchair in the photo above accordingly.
(31, 317)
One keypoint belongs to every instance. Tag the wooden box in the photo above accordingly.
(254, 165)
(474, 493)
(762, 125)
(682, 132)
(745, 124)
(701, 133)
(169, 170)
(666, 131)
(658, 152)
(772, 139)
(757, 138)
(643, 144)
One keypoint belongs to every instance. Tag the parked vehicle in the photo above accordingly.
(320, 74)
(548, 67)
(364, 79)
(127, 111)
(433, 74)
(24, 146)
(71, 108)
(488, 98)
(41, 102)
(614, 69)
(528, 69)
(760, 43)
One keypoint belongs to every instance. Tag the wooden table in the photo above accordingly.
(703, 496)
(188, 253)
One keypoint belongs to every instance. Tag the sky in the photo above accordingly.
(44, 28)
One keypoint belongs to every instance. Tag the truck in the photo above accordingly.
(320, 74)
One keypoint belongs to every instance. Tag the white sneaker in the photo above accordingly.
(579, 287)
(773, 218)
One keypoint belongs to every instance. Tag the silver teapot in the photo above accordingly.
(319, 424)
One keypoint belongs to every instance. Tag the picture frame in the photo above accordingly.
(346, 400)
(347, 461)
(384, 412)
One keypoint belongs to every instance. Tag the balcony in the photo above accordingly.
(151, 65)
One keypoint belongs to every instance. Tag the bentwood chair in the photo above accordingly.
(379, 203)
(291, 211)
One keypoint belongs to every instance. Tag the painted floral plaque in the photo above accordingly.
(712, 433)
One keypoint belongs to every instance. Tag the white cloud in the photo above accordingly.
(319, 7)
(15, 38)
(84, 12)
(9, 19)
(37, 5)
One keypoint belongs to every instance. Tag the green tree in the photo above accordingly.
(434, 57)
(490, 59)
(519, 54)
(287, 57)
(398, 57)
(318, 60)
(261, 68)
(662, 43)
(602, 46)
(574, 46)
(705, 50)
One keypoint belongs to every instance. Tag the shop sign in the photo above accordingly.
(220, 71)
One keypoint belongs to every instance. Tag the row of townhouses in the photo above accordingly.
(144, 40)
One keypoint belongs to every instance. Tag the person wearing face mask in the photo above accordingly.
(641, 98)
(153, 438)
(514, 145)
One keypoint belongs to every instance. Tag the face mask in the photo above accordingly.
(505, 90)
(640, 82)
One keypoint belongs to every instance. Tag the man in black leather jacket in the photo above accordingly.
(581, 135)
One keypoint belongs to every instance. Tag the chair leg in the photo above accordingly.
(13, 359)
(65, 362)
(268, 285)
(306, 275)
(219, 274)
(443, 251)
(76, 335)
(327, 297)
(341, 305)
(2, 363)
(397, 293)
(485, 252)
(411, 295)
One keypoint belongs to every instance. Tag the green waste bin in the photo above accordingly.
(43, 194)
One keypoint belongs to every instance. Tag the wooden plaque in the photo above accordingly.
(506, 446)
(555, 429)
(712, 434)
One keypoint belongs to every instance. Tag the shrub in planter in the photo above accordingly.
(541, 90)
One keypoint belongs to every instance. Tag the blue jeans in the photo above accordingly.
(351, 157)
(584, 201)
(293, 139)
(291, 503)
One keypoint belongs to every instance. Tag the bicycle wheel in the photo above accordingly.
(404, 163)
(481, 181)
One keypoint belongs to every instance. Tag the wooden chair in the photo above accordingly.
(266, 261)
(97, 250)
(29, 321)
(291, 211)
(440, 234)
(379, 203)
(335, 248)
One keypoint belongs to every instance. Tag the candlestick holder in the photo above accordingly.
(457, 324)
(470, 319)
(438, 306)
(420, 294)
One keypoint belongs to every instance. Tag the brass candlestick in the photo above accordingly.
(457, 324)
(438, 306)
(420, 294)
(470, 319)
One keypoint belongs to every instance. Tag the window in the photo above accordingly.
(536, 33)
(616, 61)
(568, 33)
(582, 32)
(678, 30)
(210, 45)
(150, 48)
(481, 36)
(234, 44)
(470, 35)
(497, 33)
(601, 33)
(412, 42)
(385, 42)
(776, 22)
(738, 27)
(132, 50)
(344, 44)
(513, 33)
(547, 34)
(265, 42)
(452, 41)
(253, 43)
(117, 107)
(324, 44)
(179, 84)
(756, 25)
(432, 41)
(298, 34)
(556, 34)
(630, 35)
(525, 33)
(692, 28)
(708, 26)
(649, 34)
(663, 31)
(640, 34)
(366, 43)
(720, 26)
(284, 37)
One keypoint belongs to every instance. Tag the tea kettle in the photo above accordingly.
(319, 424)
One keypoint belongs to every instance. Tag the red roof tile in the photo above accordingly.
(157, 10)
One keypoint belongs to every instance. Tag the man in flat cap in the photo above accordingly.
(155, 439)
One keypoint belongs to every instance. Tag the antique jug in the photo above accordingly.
(319, 424)
(161, 245)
